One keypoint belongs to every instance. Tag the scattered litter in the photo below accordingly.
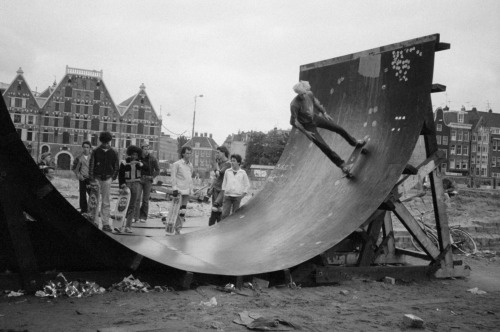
(344, 292)
(211, 303)
(248, 285)
(389, 280)
(219, 326)
(131, 284)
(410, 320)
(61, 287)
(15, 294)
(255, 321)
(476, 291)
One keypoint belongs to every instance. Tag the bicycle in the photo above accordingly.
(461, 241)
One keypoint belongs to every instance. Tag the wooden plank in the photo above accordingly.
(413, 227)
(336, 274)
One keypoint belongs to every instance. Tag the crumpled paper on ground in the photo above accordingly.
(254, 321)
(61, 287)
(131, 284)
(476, 291)
(211, 303)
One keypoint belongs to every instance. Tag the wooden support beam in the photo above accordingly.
(438, 88)
(288, 277)
(187, 280)
(336, 274)
(438, 200)
(367, 253)
(414, 228)
(239, 282)
(21, 242)
(389, 233)
(409, 181)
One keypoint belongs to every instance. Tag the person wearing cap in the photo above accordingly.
(150, 170)
(45, 161)
(307, 115)
(81, 170)
(103, 169)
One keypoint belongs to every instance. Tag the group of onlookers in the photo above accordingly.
(101, 166)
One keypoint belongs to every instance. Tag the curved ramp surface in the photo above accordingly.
(306, 206)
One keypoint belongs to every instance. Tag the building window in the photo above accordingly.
(453, 135)
(67, 121)
(75, 138)
(452, 149)
(466, 136)
(438, 139)
(56, 122)
(483, 171)
(68, 92)
(77, 109)
(30, 119)
(445, 140)
(140, 128)
(459, 150)
(474, 137)
(445, 153)
(465, 150)
(85, 109)
(465, 164)
(439, 127)
(56, 136)
(93, 139)
(94, 125)
(460, 117)
(460, 135)
(77, 124)
(67, 106)
(495, 144)
(104, 126)
(151, 130)
(85, 124)
(142, 112)
(45, 120)
(113, 127)
(452, 163)
(17, 118)
(474, 148)
(493, 161)
(129, 129)
(65, 137)
(95, 109)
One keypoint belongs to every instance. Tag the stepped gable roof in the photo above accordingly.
(140, 97)
(25, 88)
(205, 142)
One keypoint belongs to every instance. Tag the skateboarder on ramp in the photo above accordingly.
(305, 119)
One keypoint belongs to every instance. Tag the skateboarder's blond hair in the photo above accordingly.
(301, 87)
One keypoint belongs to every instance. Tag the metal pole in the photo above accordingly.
(194, 113)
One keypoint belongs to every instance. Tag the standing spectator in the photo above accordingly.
(150, 170)
(104, 169)
(49, 173)
(182, 183)
(222, 165)
(235, 186)
(129, 175)
(81, 170)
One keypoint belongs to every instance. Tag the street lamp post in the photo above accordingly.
(194, 113)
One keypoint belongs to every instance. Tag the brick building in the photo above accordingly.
(204, 152)
(77, 109)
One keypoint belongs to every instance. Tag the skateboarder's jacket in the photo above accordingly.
(130, 171)
(103, 164)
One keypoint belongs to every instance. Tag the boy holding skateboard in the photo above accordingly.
(129, 176)
(182, 183)
(305, 119)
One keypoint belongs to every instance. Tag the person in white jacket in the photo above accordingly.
(235, 186)
(182, 182)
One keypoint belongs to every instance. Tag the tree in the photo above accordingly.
(181, 140)
(265, 149)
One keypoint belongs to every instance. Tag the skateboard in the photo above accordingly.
(171, 224)
(352, 162)
(121, 208)
(94, 196)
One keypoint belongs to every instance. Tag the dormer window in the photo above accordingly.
(460, 117)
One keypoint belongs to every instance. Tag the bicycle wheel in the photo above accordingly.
(431, 237)
(463, 243)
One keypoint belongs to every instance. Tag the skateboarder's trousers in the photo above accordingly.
(142, 210)
(133, 206)
(321, 122)
(105, 204)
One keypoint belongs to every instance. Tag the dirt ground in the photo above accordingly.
(354, 305)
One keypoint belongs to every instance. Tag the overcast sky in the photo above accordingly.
(243, 56)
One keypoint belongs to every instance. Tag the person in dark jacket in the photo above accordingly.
(307, 114)
(81, 170)
(221, 166)
(129, 176)
(104, 169)
(150, 170)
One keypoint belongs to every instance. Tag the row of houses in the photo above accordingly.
(77, 109)
(470, 140)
